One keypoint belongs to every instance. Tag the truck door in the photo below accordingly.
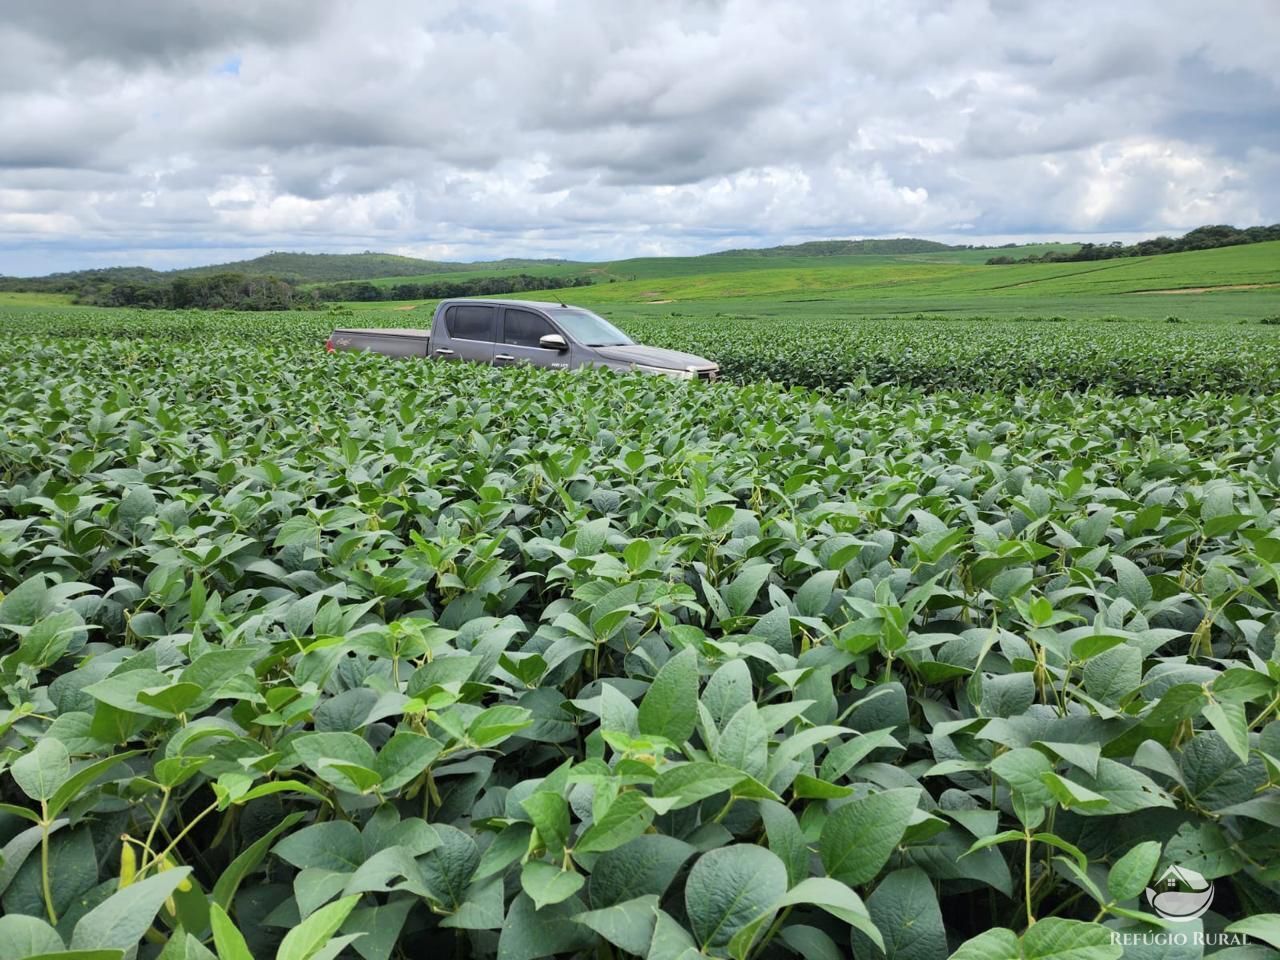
(521, 331)
(470, 329)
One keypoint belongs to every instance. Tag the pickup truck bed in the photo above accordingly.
(392, 341)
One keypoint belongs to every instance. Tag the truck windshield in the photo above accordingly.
(589, 329)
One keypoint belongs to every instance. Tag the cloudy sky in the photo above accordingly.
(178, 132)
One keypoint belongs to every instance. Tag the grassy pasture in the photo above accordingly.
(641, 268)
(1227, 266)
(12, 298)
(1230, 284)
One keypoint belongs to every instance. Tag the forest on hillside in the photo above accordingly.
(1201, 238)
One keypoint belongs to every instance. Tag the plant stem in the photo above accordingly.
(724, 810)
(1065, 903)
(771, 932)
(44, 863)
(1026, 866)
(176, 840)
(1265, 713)
(151, 834)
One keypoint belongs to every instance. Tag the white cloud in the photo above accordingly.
(601, 128)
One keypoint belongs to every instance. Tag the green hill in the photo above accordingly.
(388, 269)
(1252, 266)
(294, 267)
(333, 267)
(838, 248)
(318, 267)
(76, 280)
(872, 268)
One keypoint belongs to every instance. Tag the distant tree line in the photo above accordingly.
(1201, 238)
(219, 291)
(440, 289)
(147, 289)
(82, 281)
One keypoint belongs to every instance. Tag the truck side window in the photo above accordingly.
(524, 328)
(470, 323)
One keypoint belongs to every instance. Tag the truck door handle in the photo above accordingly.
(444, 352)
(503, 356)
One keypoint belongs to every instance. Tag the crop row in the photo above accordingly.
(318, 655)
(1123, 357)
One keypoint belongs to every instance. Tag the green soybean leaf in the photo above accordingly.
(550, 815)
(671, 941)
(548, 883)
(744, 742)
(228, 940)
(75, 785)
(46, 642)
(1114, 674)
(997, 944)
(1072, 795)
(812, 788)
(172, 699)
(226, 799)
(812, 943)
(741, 594)
(380, 927)
(529, 933)
(688, 783)
(510, 845)
(331, 845)
(24, 604)
(904, 909)
(1130, 874)
(224, 890)
(447, 869)
(859, 837)
(1057, 939)
(1048, 939)
(22, 936)
(1232, 724)
(786, 839)
(311, 936)
(729, 889)
(670, 705)
(728, 690)
(1126, 789)
(628, 925)
(138, 504)
(1263, 926)
(836, 899)
(1133, 583)
(403, 757)
(627, 817)
(496, 724)
(40, 771)
(14, 853)
(120, 921)
(646, 865)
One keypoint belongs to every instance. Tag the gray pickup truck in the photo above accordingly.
(507, 332)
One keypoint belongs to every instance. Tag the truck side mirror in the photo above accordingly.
(553, 341)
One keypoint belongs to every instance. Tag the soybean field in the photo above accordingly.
(915, 637)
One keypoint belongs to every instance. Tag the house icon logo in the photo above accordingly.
(1180, 894)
